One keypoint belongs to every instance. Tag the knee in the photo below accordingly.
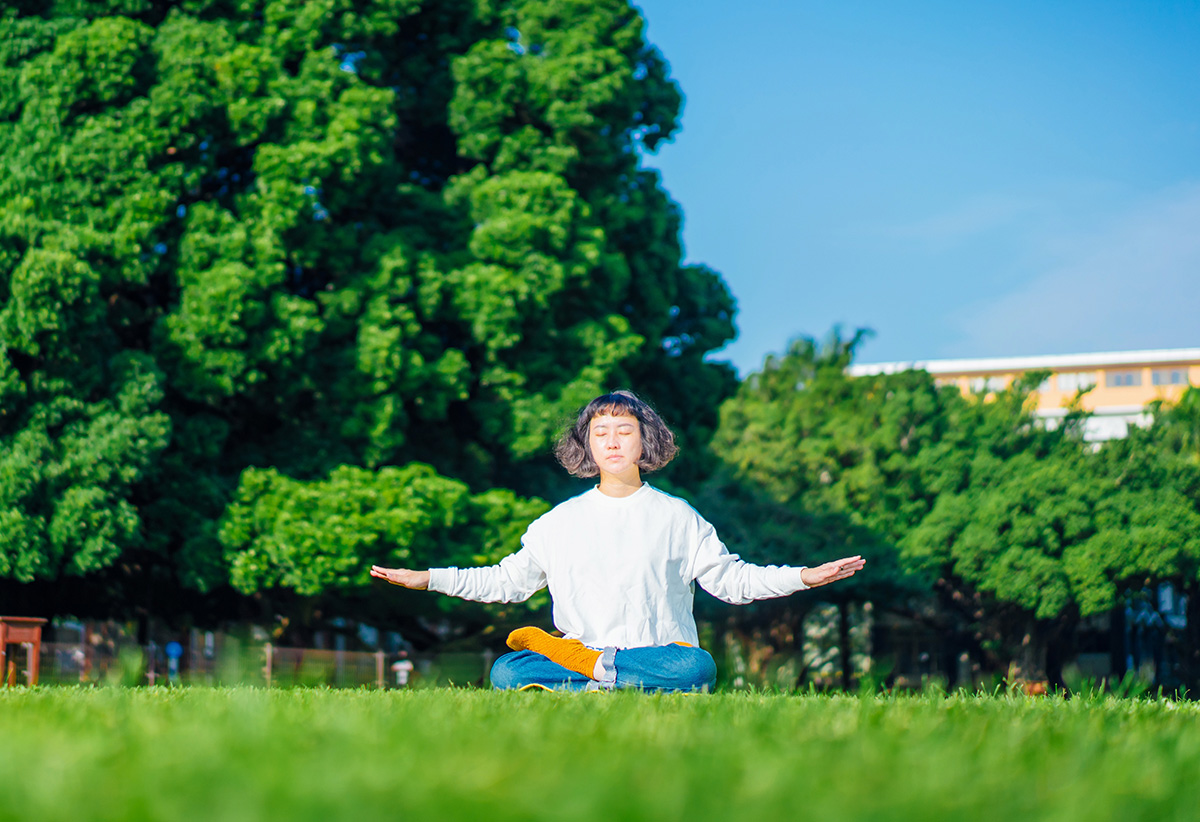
(704, 670)
(693, 669)
(504, 673)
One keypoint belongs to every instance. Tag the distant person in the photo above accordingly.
(620, 561)
(403, 668)
(174, 653)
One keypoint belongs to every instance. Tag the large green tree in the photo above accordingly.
(291, 235)
(964, 503)
(1148, 526)
(1046, 529)
(1015, 531)
(815, 466)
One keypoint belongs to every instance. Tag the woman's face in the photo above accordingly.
(615, 442)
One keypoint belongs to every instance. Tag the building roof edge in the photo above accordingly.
(1052, 362)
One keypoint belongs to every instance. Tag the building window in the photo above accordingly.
(988, 385)
(1122, 379)
(1169, 376)
(1073, 381)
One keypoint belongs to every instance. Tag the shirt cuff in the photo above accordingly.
(441, 580)
(800, 579)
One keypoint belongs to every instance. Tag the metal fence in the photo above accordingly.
(229, 662)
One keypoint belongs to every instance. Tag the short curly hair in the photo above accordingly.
(658, 443)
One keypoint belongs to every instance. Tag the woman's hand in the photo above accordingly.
(417, 580)
(831, 571)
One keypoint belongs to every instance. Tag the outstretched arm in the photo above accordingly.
(514, 579)
(832, 571)
(417, 580)
(731, 579)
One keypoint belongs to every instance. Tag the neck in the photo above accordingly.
(620, 485)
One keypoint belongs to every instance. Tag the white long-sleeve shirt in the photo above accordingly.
(621, 569)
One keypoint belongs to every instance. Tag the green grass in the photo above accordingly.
(246, 754)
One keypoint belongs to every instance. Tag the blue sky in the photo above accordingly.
(967, 179)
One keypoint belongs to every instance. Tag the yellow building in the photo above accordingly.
(1122, 382)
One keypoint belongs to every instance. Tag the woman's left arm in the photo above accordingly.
(832, 571)
(727, 577)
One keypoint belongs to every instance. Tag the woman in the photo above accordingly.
(620, 561)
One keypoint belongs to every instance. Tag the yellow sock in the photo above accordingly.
(569, 653)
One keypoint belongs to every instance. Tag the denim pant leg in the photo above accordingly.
(521, 668)
(666, 668)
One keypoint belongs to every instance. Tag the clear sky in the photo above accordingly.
(968, 179)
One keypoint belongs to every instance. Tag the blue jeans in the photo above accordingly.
(656, 668)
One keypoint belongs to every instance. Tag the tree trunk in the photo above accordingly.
(1190, 655)
(1117, 649)
(1058, 648)
(844, 644)
(798, 647)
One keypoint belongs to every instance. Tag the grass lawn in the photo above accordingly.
(445, 754)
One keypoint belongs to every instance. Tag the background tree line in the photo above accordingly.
(291, 287)
(1012, 530)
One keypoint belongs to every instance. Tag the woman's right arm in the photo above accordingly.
(417, 580)
(514, 579)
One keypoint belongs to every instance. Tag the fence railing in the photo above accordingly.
(266, 665)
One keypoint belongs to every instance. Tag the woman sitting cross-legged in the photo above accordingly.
(620, 561)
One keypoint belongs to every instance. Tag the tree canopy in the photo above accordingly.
(243, 244)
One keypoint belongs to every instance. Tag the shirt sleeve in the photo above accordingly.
(727, 577)
(515, 578)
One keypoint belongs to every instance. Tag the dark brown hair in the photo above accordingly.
(658, 443)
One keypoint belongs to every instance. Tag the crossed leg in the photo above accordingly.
(669, 668)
